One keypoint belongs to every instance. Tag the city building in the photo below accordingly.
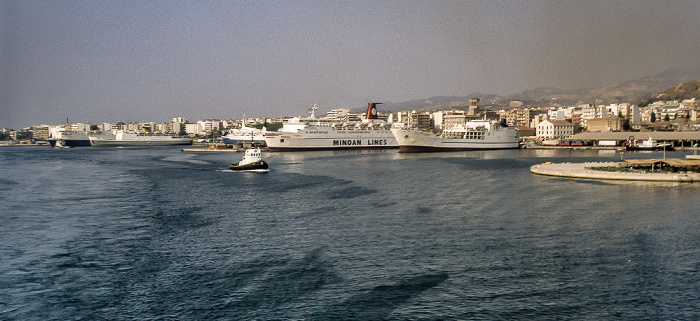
(605, 124)
(554, 129)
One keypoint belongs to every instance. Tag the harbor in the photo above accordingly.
(349, 160)
(155, 229)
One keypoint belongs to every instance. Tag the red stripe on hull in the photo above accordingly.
(431, 149)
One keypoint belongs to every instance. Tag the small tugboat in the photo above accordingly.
(251, 162)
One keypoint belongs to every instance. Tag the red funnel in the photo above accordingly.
(372, 111)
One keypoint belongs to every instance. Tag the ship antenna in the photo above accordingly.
(313, 110)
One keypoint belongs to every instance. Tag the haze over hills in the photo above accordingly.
(641, 90)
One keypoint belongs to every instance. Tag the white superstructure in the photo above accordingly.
(245, 134)
(311, 133)
(472, 135)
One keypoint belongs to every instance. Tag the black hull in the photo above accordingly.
(70, 142)
(248, 167)
(668, 148)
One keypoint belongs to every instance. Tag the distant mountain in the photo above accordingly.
(442, 102)
(686, 90)
(644, 87)
(639, 91)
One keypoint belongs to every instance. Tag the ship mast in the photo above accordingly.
(313, 110)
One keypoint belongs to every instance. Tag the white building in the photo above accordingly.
(80, 127)
(192, 129)
(537, 119)
(400, 117)
(554, 129)
(207, 125)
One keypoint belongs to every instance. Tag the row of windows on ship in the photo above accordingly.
(462, 135)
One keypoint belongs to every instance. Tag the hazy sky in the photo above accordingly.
(108, 61)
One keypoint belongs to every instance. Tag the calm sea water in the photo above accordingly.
(158, 234)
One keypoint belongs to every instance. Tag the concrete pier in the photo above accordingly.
(584, 170)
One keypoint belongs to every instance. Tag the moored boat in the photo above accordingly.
(649, 144)
(139, 139)
(472, 135)
(311, 134)
(65, 138)
(245, 134)
(252, 162)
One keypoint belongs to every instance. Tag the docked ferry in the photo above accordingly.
(472, 135)
(311, 133)
(65, 138)
(139, 139)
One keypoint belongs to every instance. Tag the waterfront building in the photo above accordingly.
(524, 131)
(39, 133)
(537, 120)
(554, 129)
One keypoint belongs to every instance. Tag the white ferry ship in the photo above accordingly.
(307, 134)
(139, 139)
(472, 135)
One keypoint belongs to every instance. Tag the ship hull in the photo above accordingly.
(75, 138)
(255, 166)
(434, 149)
(311, 149)
(233, 141)
(69, 142)
(99, 142)
(331, 140)
(414, 141)
(647, 148)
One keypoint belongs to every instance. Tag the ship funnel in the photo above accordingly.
(372, 110)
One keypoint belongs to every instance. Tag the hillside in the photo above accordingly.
(671, 84)
(686, 90)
